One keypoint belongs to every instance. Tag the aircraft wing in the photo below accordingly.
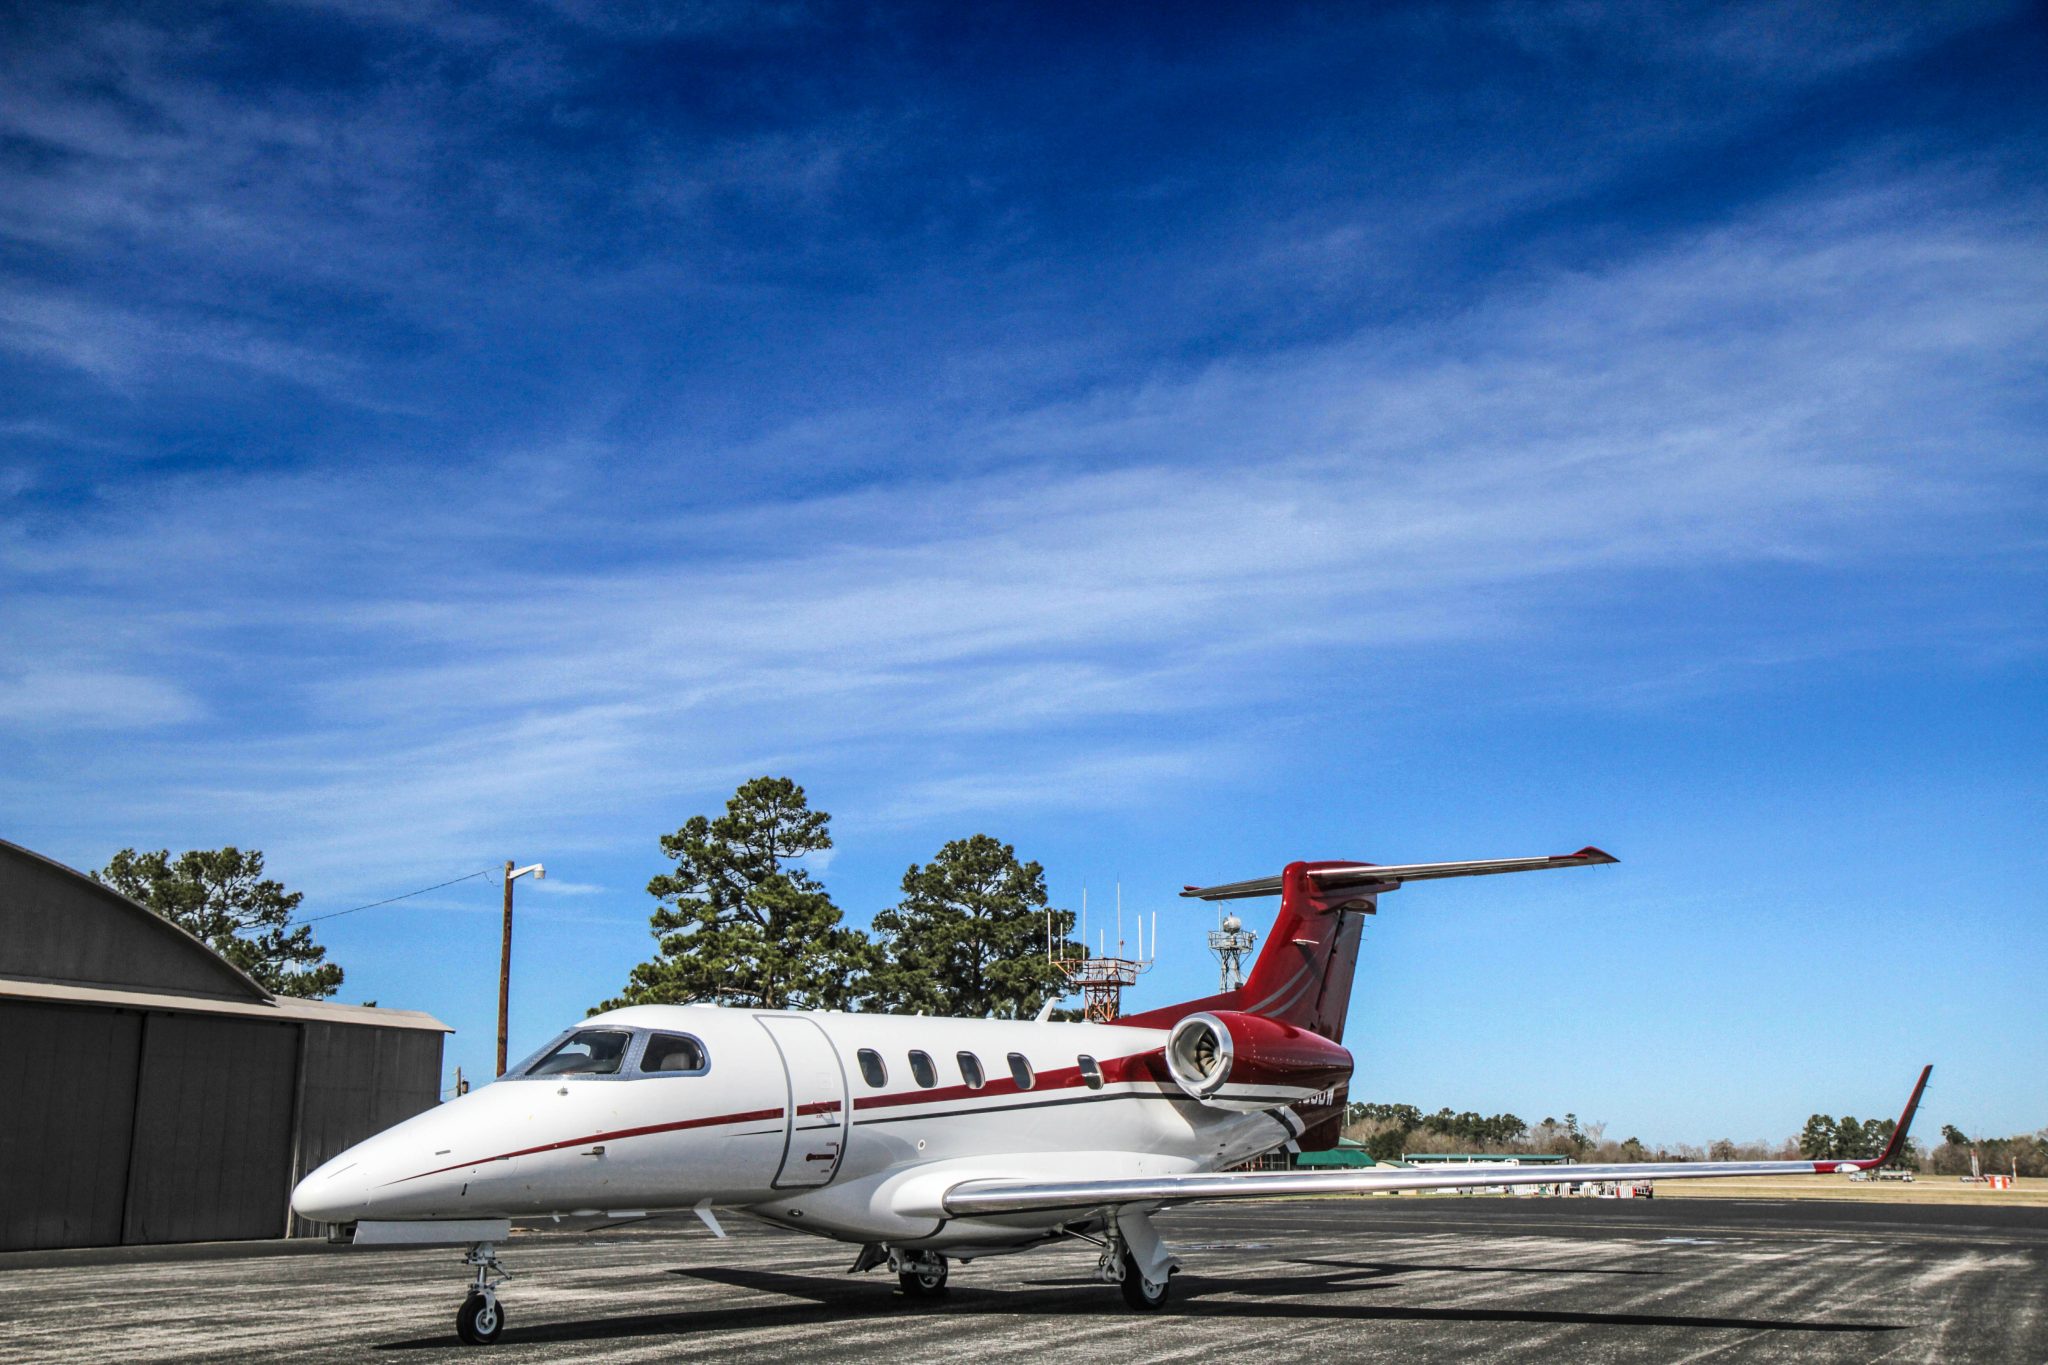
(1369, 874)
(974, 1198)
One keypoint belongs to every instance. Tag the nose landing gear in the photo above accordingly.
(921, 1273)
(480, 1319)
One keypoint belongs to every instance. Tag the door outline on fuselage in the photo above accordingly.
(806, 1050)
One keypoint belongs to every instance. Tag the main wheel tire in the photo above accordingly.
(1139, 1292)
(479, 1320)
(923, 1284)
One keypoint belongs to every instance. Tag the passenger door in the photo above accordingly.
(816, 1112)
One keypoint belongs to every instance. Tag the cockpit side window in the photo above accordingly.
(674, 1054)
(586, 1052)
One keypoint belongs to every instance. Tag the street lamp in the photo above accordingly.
(512, 874)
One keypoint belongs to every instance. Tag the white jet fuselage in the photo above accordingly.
(785, 1119)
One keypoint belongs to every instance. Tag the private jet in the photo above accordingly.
(924, 1141)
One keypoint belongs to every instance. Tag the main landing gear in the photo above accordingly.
(1139, 1292)
(1134, 1259)
(480, 1319)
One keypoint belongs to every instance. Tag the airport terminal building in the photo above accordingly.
(154, 1092)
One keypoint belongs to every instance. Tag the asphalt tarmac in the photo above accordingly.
(1351, 1279)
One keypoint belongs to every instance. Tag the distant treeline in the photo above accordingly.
(2028, 1152)
(1388, 1130)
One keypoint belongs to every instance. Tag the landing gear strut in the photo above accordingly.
(480, 1319)
(921, 1273)
(1135, 1261)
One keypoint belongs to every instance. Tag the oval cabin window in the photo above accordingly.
(970, 1071)
(1020, 1071)
(1091, 1072)
(871, 1069)
(922, 1070)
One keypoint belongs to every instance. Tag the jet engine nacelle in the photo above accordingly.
(1231, 1060)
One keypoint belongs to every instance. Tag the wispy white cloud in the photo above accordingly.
(555, 886)
(68, 699)
(1782, 391)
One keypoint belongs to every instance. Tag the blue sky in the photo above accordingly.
(1175, 443)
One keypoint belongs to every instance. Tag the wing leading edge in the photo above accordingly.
(988, 1197)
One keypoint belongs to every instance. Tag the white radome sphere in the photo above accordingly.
(1231, 924)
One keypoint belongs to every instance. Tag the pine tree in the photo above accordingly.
(739, 924)
(221, 898)
(1817, 1140)
(968, 938)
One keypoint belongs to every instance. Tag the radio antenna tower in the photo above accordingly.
(1231, 941)
(1101, 978)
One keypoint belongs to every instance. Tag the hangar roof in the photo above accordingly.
(65, 938)
(282, 1008)
(57, 924)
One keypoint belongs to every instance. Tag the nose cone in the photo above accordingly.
(337, 1192)
(422, 1168)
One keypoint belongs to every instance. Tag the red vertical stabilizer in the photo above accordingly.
(1303, 974)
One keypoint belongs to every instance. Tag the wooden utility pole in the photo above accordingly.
(512, 874)
(505, 971)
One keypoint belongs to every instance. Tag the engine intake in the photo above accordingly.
(1232, 1060)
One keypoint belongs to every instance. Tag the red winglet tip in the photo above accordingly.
(1901, 1129)
(1594, 855)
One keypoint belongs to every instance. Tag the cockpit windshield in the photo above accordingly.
(586, 1052)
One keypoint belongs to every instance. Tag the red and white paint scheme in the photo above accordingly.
(929, 1139)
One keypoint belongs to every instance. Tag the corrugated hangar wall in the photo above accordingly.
(157, 1094)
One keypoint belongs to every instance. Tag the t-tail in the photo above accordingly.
(1303, 974)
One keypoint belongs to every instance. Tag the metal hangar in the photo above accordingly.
(154, 1092)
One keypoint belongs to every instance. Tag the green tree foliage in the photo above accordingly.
(2027, 1151)
(1407, 1116)
(221, 898)
(1576, 1138)
(1476, 1130)
(1817, 1139)
(739, 923)
(1849, 1140)
(1387, 1130)
(1632, 1149)
(968, 938)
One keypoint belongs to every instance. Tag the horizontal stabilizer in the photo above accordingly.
(1337, 876)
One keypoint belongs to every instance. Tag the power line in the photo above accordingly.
(337, 914)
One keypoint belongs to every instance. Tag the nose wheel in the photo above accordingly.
(922, 1274)
(481, 1318)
